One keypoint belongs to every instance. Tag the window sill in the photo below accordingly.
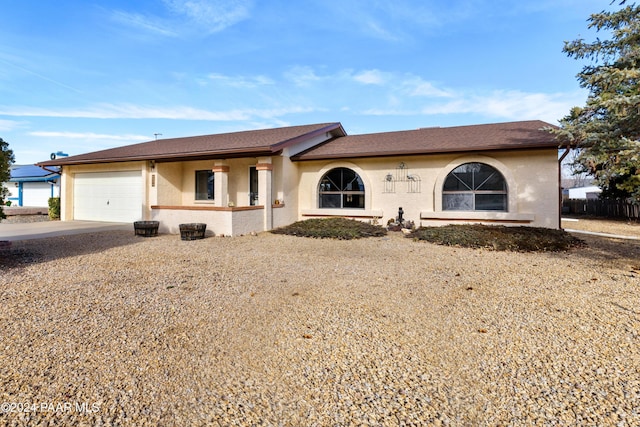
(478, 216)
(352, 213)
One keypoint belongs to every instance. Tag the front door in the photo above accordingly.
(253, 186)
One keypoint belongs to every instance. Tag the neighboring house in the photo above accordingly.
(236, 183)
(32, 186)
(590, 192)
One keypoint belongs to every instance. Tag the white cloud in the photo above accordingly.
(148, 24)
(396, 83)
(418, 87)
(131, 111)
(242, 81)
(497, 105)
(302, 76)
(211, 15)
(7, 125)
(187, 17)
(375, 29)
(371, 77)
(511, 105)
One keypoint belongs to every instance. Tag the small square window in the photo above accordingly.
(204, 185)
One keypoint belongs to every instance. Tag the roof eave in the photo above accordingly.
(253, 152)
(302, 158)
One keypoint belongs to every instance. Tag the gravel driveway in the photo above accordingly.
(113, 329)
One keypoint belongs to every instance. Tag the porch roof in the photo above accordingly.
(217, 146)
(486, 137)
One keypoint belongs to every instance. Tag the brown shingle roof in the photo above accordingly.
(226, 145)
(499, 136)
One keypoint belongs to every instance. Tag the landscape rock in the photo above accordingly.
(110, 329)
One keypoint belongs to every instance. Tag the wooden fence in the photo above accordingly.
(601, 207)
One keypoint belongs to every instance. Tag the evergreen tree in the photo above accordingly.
(6, 159)
(607, 128)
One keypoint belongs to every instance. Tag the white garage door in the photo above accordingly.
(36, 194)
(108, 196)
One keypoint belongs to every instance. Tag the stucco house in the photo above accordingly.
(32, 186)
(240, 182)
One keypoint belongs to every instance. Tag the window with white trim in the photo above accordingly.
(341, 188)
(474, 187)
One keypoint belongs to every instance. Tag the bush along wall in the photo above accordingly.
(54, 207)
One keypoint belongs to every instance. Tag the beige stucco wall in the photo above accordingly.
(68, 174)
(225, 222)
(531, 175)
(286, 190)
(168, 184)
(176, 182)
(176, 188)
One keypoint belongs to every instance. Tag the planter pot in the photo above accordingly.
(146, 228)
(193, 231)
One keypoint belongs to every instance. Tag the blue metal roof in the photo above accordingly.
(33, 173)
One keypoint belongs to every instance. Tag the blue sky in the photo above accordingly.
(82, 75)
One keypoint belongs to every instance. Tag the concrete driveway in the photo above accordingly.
(39, 230)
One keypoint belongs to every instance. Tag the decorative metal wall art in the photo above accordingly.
(402, 174)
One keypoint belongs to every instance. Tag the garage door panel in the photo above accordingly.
(108, 196)
(36, 194)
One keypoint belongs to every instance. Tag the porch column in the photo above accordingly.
(265, 169)
(221, 183)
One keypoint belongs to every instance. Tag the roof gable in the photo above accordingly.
(499, 136)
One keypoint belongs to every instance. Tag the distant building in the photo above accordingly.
(587, 193)
(31, 185)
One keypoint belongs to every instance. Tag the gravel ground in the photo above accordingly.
(113, 329)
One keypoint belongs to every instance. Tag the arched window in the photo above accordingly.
(341, 188)
(474, 187)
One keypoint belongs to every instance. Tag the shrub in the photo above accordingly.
(498, 237)
(332, 228)
(54, 207)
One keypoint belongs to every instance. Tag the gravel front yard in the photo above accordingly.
(113, 329)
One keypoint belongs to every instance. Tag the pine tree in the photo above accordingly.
(607, 128)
